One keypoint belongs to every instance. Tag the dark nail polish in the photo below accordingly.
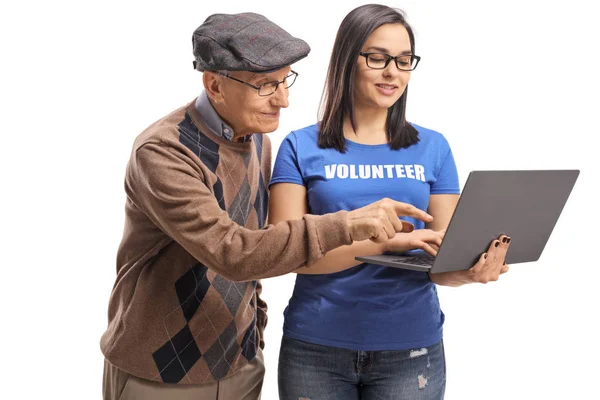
(497, 244)
(504, 239)
(485, 255)
(508, 240)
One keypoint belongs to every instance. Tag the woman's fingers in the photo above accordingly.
(480, 263)
(492, 263)
(427, 248)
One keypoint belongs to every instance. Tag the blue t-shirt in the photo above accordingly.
(367, 307)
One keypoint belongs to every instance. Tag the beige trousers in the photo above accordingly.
(246, 384)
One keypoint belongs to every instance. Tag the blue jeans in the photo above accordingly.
(313, 372)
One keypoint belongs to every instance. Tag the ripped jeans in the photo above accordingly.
(313, 372)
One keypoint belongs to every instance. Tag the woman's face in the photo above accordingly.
(381, 88)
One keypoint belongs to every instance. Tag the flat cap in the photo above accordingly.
(244, 42)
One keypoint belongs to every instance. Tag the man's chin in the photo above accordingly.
(267, 128)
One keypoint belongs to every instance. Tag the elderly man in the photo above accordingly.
(185, 314)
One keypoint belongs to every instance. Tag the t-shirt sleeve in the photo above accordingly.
(287, 166)
(446, 181)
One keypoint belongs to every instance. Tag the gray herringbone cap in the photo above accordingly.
(244, 42)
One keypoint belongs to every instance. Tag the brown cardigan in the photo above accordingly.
(184, 305)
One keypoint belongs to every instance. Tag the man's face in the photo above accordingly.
(244, 109)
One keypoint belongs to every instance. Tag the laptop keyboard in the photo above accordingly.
(425, 260)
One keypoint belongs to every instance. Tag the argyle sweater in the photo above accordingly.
(186, 307)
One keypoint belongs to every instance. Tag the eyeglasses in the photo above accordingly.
(267, 88)
(381, 60)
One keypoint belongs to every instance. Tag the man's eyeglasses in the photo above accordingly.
(267, 88)
(381, 60)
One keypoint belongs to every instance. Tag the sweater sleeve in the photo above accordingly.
(167, 186)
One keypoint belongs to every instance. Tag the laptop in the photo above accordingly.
(524, 205)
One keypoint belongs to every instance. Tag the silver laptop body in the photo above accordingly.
(524, 205)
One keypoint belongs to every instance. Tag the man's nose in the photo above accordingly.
(280, 97)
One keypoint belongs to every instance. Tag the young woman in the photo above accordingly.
(361, 331)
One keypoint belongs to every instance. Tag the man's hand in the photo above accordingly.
(491, 264)
(379, 221)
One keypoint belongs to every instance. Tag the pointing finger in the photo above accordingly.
(407, 210)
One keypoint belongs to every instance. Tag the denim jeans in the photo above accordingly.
(313, 372)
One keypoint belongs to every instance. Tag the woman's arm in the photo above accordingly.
(441, 207)
(288, 201)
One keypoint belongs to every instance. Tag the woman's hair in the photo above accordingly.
(337, 100)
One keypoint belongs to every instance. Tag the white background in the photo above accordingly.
(511, 84)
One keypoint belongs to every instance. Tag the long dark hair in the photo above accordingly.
(338, 100)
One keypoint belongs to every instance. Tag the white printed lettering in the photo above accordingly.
(377, 171)
(342, 171)
(330, 171)
(390, 170)
(364, 172)
(420, 172)
(400, 171)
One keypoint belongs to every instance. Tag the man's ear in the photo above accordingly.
(213, 86)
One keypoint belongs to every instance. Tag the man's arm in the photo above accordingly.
(288, 201)
(164, 183)
(170, 189)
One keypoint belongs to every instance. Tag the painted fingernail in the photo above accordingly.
(485, 255)
(504, 262)
(508, 240)
(497, 244)
(504, 239)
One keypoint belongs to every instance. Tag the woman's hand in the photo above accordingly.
(424, 239)
(491, 264)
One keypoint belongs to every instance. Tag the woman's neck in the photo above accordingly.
(369, 124)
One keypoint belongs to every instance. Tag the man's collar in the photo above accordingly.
(212, 119)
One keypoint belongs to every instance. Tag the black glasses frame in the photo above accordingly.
(390, 58)
(258, 88)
